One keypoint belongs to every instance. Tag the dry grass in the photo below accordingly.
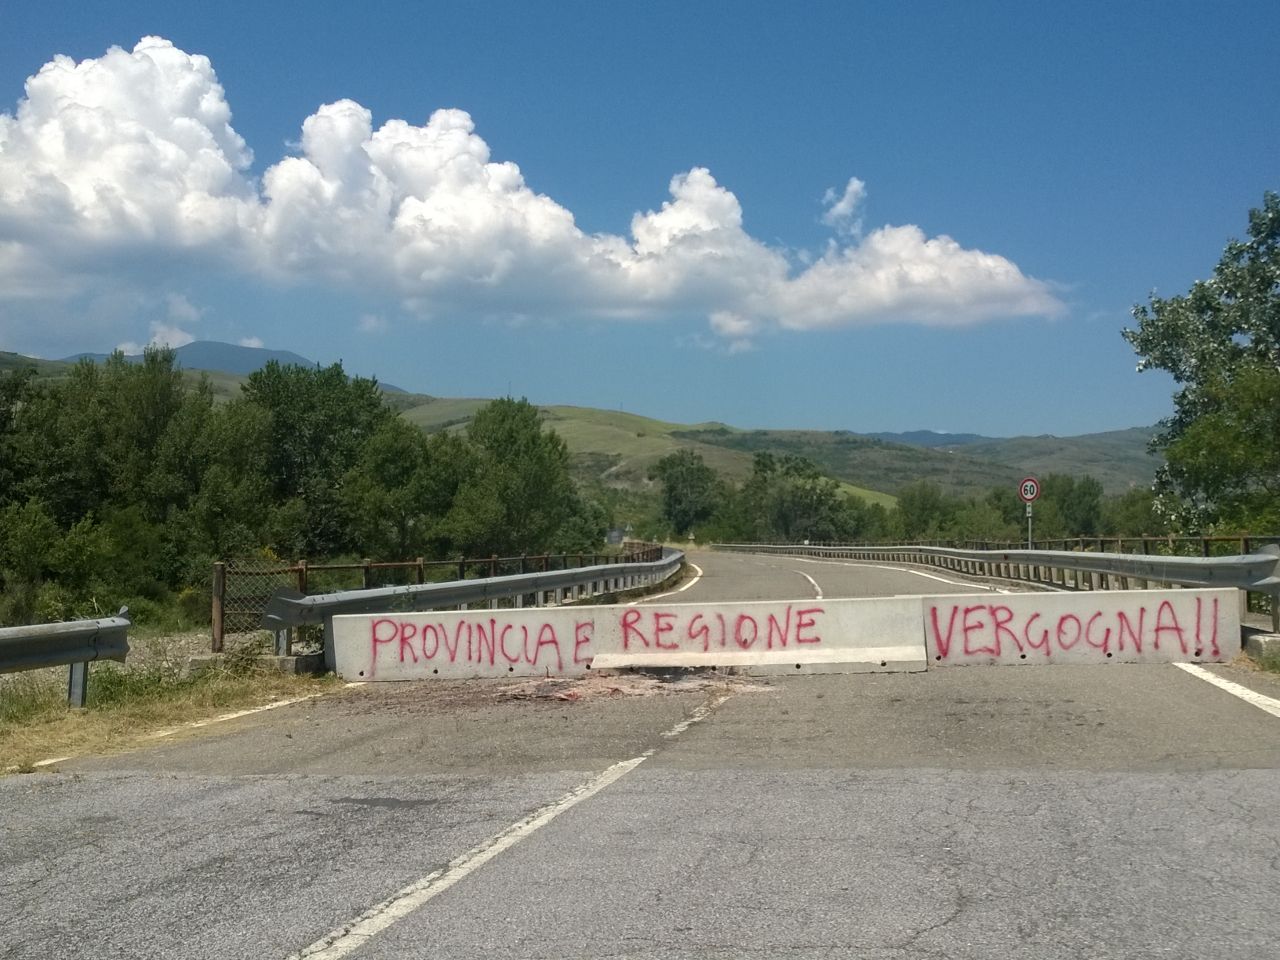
(129, 704)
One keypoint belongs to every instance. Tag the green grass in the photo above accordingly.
(618, 449)
(125, 703)
(25, 697)
(442, 413)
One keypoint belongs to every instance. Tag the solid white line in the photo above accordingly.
(352, 936)
(698, 715)
(816, 589)
(671, 593)
(170, 731)
(1261, 701)
(229, 716)
(881, 566)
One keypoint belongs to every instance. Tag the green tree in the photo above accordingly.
(318, 422)
(690, 489)
(1221, 344)
(1133, 513)
(924, 511)
(518, 494)
(17, 388)
(1077, 504)
(400, 490)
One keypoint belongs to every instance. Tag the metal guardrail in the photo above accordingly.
(288, 608)
(243, 586)
(76, 643)
(1257, 572)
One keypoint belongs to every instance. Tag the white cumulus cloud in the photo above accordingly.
(843, 207)
(132, 157)
(162, 335)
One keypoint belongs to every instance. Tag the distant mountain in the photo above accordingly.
(965, 466)
(212, 355)
(929, 438)
(227, 358)
(1118, 459)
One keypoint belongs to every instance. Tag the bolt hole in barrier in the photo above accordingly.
(888, 633)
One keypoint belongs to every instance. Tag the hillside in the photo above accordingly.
(615, 448)
(1118, 459)
(618, 449)
(865, 462)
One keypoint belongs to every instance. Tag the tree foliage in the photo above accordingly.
(122, 481)
(690, 490)
(1221, 343)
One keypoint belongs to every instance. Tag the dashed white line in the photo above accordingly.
(352, 936)
(1269, 704)
(671, 593)
(816, 589)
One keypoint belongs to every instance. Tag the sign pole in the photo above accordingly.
(1029, 490)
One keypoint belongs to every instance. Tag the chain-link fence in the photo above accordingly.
(243, 586)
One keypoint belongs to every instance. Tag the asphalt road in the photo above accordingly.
(1032, 812)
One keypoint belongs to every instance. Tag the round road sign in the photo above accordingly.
(1029, 489)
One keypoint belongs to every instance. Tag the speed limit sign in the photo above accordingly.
(1029, 489)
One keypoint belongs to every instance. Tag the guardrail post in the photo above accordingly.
(78, 685)
(420, 570)
(365, 572)
(219, 599)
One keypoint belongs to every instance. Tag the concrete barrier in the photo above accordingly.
(767, 637)
(804, 636)
(1134, 626)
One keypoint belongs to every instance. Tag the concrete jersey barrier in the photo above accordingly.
(760, 636)
(1131, 626)
(806, 636)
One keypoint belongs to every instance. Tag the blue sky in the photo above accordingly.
(828, 215)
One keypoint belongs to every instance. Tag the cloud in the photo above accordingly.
(255, 342)
(162, 335)
(181, 310)
(842, 207)
(371, 323)
(132, 158)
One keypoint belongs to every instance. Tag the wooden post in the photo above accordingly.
(219, 598)
(302, 576)
(421, 571)
(365, 572)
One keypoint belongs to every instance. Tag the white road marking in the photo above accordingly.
(816, 589)
(881, 566)
(671, 593)
(236, 715)
(352, 936)
(170, 731)
(1270, 704)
